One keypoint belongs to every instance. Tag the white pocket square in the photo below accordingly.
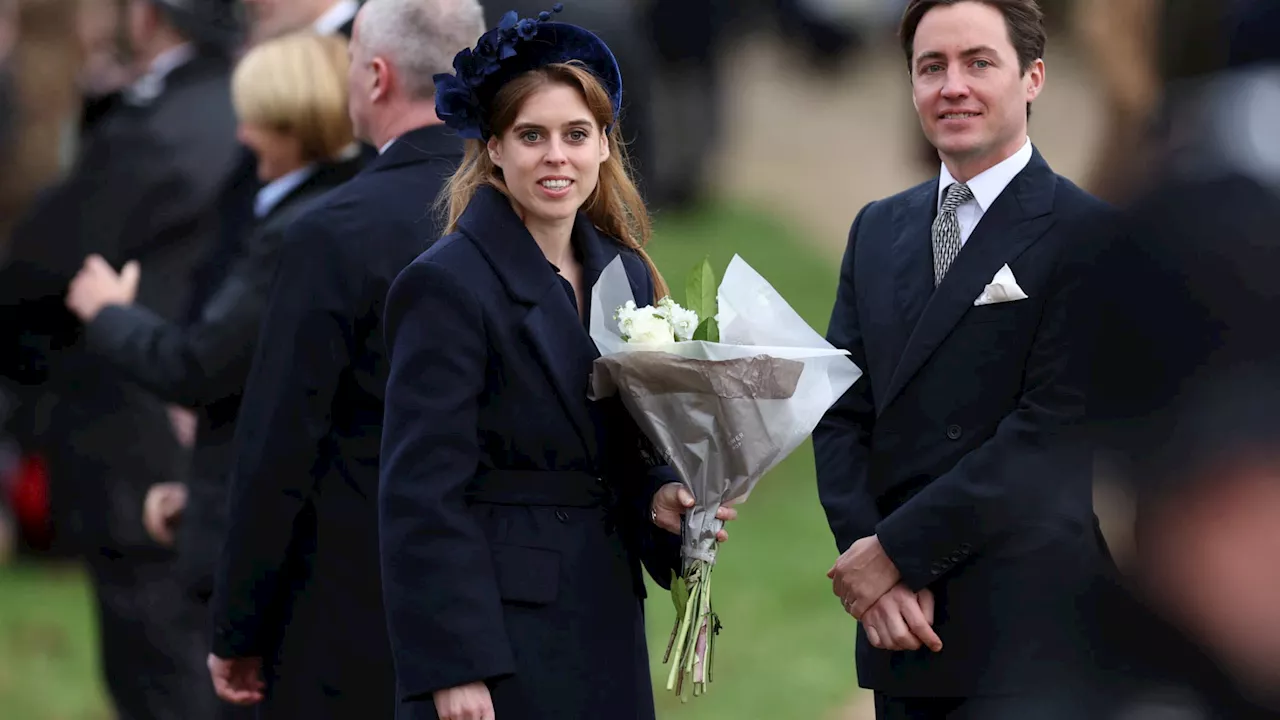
(1002, 288)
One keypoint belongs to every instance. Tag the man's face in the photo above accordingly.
(967, 87)
(273, 18)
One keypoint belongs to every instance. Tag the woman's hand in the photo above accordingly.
(670, 503)
(465, 702)
(98, 285)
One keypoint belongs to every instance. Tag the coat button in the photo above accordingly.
(953, 432)
(562, 516)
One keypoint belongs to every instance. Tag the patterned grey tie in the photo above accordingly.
(946, 230)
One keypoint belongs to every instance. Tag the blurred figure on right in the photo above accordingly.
(1186, 386)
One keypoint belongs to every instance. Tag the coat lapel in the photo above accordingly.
(1019, 216)
(551, 326)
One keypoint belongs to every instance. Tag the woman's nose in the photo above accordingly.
(555, 153)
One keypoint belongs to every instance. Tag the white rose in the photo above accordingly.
(646, 327)
(684, 322)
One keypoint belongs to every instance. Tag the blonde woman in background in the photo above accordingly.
(291, 104)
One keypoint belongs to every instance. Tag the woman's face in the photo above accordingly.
(278, 154)
(551, 155)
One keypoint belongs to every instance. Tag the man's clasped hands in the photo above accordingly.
(871, 589)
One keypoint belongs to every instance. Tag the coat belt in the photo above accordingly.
(553, 488)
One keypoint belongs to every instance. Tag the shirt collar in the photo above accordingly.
(151, 84)
(988, 184)
(385, 146)
(277, 190)
(335, 17)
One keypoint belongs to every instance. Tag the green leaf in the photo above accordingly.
(700, 291)
(707, 330)
(679, 593)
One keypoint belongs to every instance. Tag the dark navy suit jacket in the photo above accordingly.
(952, 447)
(513, 510)
(298, 580)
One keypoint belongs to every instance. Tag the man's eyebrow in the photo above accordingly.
(970, 52)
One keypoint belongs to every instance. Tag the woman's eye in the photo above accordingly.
(529, 136)
(577, 135)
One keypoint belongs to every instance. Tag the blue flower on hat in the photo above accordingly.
(457, 106)
(515, 46)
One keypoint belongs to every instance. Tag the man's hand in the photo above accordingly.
(670, 503)
(98, 285)
(902, 620)
(465, 702)
(862, 575)
(162, 509)
(238, 680)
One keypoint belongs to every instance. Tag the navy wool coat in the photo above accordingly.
(513, 510)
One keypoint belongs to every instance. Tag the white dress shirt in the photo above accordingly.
(150, 85)
(273, 192)
(986, 186)
(335, 17)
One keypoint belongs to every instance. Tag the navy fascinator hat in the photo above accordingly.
(516, 46)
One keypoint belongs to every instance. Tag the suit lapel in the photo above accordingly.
(1019, 216)
(912, 254)
(551, 326)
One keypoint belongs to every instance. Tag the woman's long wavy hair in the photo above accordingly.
(614, 207)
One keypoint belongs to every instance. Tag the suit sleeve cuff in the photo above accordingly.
(230, 644)
(921, 556)
(113, 323)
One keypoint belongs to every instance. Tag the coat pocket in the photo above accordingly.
(526, 575)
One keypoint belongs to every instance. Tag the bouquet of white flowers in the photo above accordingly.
(725, 388)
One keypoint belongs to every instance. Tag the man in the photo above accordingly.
(298, 595)
(142, 190)
(966, 526)
(273, 18)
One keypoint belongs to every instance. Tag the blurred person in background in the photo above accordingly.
(298, 616)
(291, 102)
(142, 189)
(1187, 381)
(8, 38)
(685, 87)
(266, 19)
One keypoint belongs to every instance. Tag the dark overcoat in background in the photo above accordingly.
(298, 581)
(204, 366)
(142, 189)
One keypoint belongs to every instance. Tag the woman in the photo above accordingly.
(514, 513)
(291, 102)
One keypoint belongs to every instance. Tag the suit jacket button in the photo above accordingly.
(953, 432)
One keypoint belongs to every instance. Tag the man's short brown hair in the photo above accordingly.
(1023, 18)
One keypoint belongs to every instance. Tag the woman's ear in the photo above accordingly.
(604, 147)
(495, 150)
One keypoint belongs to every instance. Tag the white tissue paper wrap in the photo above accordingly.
(724, 413)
